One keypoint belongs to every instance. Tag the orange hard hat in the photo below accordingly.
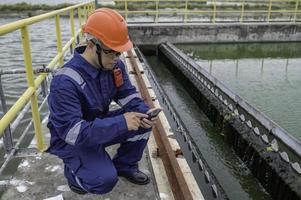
(110, 28)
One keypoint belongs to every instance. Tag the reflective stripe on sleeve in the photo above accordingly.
(124, 101)
(144, 136)
(72, 74)
(73, 133)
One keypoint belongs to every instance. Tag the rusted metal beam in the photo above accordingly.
(175, 177)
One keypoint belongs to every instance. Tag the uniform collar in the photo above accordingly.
(83, 63)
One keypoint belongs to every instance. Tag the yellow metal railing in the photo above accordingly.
(213, 9)
(83, 9)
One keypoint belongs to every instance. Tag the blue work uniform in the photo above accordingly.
(81, 124)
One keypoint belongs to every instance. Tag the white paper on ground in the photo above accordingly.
(58, 197)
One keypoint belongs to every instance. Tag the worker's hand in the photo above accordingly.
(133, 120)
(148, 123)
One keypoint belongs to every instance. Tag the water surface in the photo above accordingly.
(235, 178)
(267, 75)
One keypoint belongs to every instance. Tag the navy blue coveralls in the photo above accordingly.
(81, 124)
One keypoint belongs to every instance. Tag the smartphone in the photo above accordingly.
(154, 113)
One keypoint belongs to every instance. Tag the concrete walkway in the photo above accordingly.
(42, 177)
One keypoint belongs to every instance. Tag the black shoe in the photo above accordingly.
(138, 177)
(77, 189)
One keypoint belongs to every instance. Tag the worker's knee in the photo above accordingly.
(103, 183)
(99, 182)
(108, 183)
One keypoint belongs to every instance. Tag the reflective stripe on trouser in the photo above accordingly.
(94, 171)
(131, 147)
(131, 150)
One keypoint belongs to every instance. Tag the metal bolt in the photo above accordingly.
(242, 117)
(256, 131)
(214, 190)
(249, 123)
(200, 164)
(207, 176)
(296, 167)
(265, 138)
(284, 156)
(274, 145)
(189, 145)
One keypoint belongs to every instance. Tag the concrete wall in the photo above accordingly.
(150, 34)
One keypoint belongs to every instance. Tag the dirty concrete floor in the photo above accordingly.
(41, 177)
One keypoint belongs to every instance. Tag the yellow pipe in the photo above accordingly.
(30, 81)
(90, 9)
(70, 42)
(79, 16)
(161, 1)
(126, 9)
(54, 61)
(242, 11)
(157, 11)
(58, 37)
(296, 10)
(17, 107)
(22, 101)
(186, 6)
(85, 13)
(214, 12)
(7, 28)
(93, 7)
(33, 84)
(72, 27)
(269, 12)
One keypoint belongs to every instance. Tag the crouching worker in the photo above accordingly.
(80, 122)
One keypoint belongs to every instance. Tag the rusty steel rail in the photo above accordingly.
(175, 177)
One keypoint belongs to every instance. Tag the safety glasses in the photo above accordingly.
(105, 51)
(110, 51)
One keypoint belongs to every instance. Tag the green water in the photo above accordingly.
(233, 175)
(267, 75)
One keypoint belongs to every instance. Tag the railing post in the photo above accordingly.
(262, 64)
(269, 12)
(30, 81)
(126, 9)
(7, 137)
(59, 39)
(286, 65)
(44, 84)
(85, 13)
(89, 9)
(79, 15)
(236, 68)
(157, 11)
(242, 11)
(296, 10)
(185, 15)
(214, 12)
(72, 27)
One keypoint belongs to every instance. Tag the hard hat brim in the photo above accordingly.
(126, 47)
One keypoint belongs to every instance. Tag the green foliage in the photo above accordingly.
(151, 5)
(31, 7)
